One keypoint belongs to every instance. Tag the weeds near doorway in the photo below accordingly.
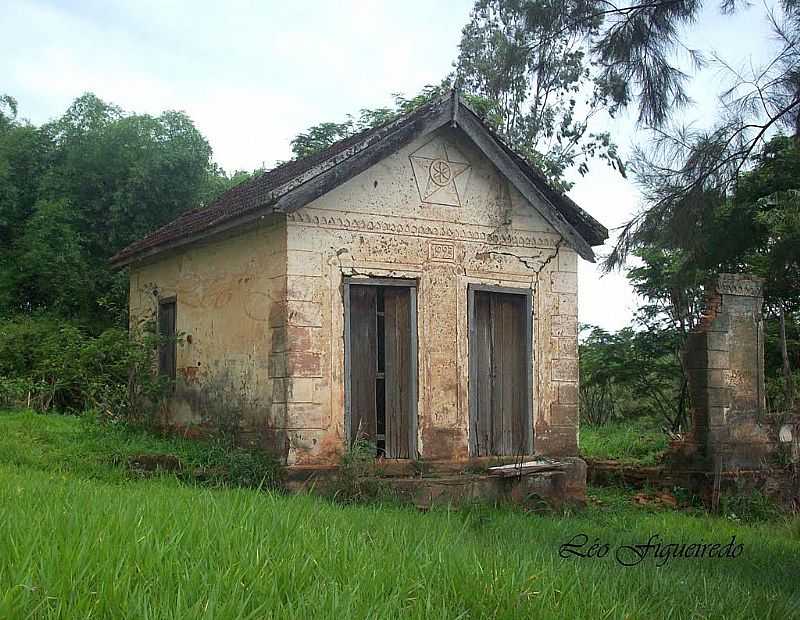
(357, 479)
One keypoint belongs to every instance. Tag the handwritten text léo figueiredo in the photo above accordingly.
(657, 549)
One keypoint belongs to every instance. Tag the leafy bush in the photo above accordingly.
(776, 392)
(752, 507)
(597, 402)
(41, 356)
(120, 378)
(51, 364)
(13, 391)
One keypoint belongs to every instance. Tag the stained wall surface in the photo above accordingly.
(225, 292)
(437, 212)
(265, 313)
(724, 360)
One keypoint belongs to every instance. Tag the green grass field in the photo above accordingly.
(638, 441)
(80, 539)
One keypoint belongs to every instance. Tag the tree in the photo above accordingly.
(319, 137)
(125, 174)
(526, 67)
(715, 199)
(23, 156)
(531, 61)
(688, 172)
(632, 373)
(219, 181)
(541, 70)
(754, 229)
(769, 196)
(52, 269)
(76, 190)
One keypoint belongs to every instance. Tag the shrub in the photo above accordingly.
(42, 355)
(50, 364)
(13, 391)
(751, 507)
(776, 392)
(596, 403)
(120, 378)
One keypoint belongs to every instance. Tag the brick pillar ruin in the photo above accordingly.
(724, 359)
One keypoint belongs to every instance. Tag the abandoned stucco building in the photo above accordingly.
(415, 285)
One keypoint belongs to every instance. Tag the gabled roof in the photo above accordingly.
(296, 183)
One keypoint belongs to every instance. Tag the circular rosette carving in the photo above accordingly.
(440, 172)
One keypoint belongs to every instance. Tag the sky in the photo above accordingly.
(254, 74)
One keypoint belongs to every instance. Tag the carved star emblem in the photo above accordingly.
(437, 167)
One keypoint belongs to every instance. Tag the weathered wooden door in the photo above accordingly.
(363, 356)
(499, 345)
(397, 372)
(381, 368)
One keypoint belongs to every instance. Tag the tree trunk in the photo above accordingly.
(680, 418)
(788, 388)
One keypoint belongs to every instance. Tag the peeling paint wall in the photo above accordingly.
(228, 304)
(390, 221)
(265, 312)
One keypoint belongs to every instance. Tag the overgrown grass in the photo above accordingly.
(637, 441)
(83, 446)
(75, 543)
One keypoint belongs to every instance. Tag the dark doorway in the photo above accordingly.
(500, 345)
(380, 359)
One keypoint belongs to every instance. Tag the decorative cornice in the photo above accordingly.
(421, 228)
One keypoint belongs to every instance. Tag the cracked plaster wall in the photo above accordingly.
(377, 225)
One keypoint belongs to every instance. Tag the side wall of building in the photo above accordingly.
(230, 323)
(393, 220)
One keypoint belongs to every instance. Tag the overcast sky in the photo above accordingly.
(253, 74)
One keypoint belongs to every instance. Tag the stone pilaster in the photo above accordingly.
(724, 359)
(558, 434)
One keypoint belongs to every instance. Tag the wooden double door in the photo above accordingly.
(380, 360)
(381, 368)
(500, 372)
